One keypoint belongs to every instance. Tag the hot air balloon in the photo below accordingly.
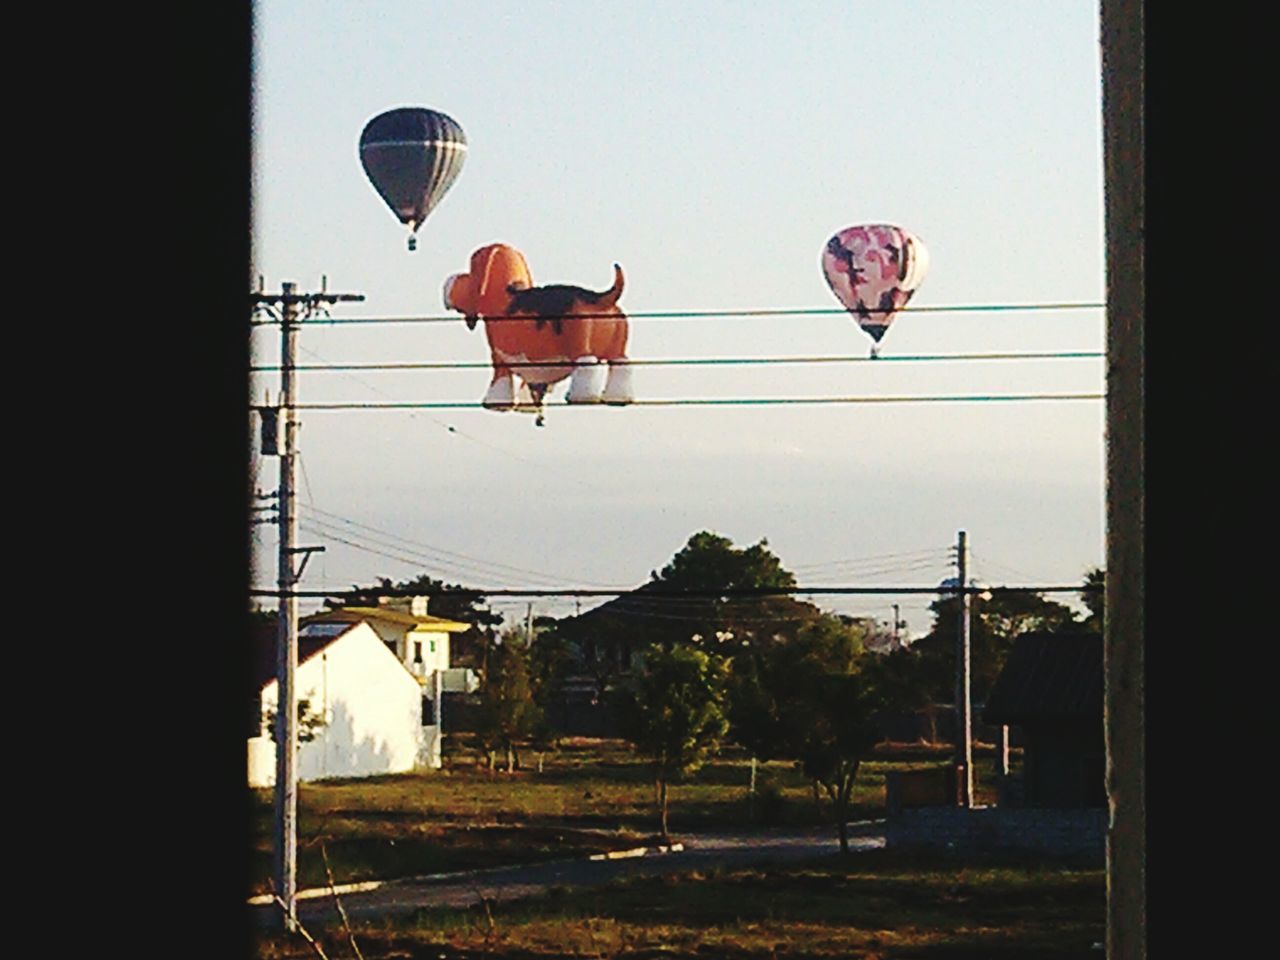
(873, 269)
(412, 155)
(542, 335)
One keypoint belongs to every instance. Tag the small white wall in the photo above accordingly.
(372, 707)
(393, 634)
(432, 660)
(262, 762)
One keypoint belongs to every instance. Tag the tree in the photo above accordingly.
(550, 664)
(994, 624)
(675, 716)
(507, 711)
(807, 698)
(309, 724)
(608, 638)
(711, 564)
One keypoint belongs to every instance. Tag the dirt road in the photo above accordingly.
(513, 883)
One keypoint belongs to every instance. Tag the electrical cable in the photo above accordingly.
(708, 594)
(692, 361)
(321, 528)
(454, 431)
(716, 402)
(494, 565)
(715, 314)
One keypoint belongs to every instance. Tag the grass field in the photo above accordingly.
(590, 796)
(879, 904)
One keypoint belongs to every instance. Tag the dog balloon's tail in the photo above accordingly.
(609, 297)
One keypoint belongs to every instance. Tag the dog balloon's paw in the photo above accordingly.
(587, 382)
(617, 390)
(500, 396)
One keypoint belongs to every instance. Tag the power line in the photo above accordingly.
(448, 427)
(715, 314)
(715, 401)
(410, 557)
(706, 594)
(691, 361)
(425, 550)
(868, 572)
(875, 558)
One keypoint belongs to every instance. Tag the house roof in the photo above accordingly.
(266, 643)
(355, 614)
(1049, 677)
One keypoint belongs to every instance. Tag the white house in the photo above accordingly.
(371, 679)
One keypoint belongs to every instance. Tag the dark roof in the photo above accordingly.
(1049, 677)
(264, 651)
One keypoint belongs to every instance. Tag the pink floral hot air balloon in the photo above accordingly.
(873, 269)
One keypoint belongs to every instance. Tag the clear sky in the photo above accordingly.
(710, 148)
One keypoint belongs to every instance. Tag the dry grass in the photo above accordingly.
(591, 796)
(876, 905)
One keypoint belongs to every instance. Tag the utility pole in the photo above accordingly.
(964, 718)
(288, 307)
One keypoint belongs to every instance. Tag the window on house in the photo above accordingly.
(433, 646)
(417, 651)
(428, 712)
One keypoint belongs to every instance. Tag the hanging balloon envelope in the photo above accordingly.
(412, 155)
(873, 270)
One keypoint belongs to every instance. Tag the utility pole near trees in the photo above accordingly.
(964, 712)
(280, 438)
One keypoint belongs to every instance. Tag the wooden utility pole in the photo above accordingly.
(1123, 96)
(292, 306)
(964, 717)
(285, 848)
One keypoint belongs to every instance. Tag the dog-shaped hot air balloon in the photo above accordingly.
(543, 335)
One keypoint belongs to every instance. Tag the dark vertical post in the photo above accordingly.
(964, 718)
(286, 791)
(1124, 631)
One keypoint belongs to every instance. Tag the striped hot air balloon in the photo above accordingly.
(412, 155)
(873, 270)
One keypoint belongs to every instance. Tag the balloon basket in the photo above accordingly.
(413, 244)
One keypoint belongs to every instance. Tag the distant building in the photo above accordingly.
(371, 679)
(1051, 687)
(1051, 691)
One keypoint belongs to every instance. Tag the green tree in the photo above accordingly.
(675, 715)
(812, 702)
(309, 723)
(711, 564)
(994, 623)
(551, 663)
(507, 712)
(717, 616)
